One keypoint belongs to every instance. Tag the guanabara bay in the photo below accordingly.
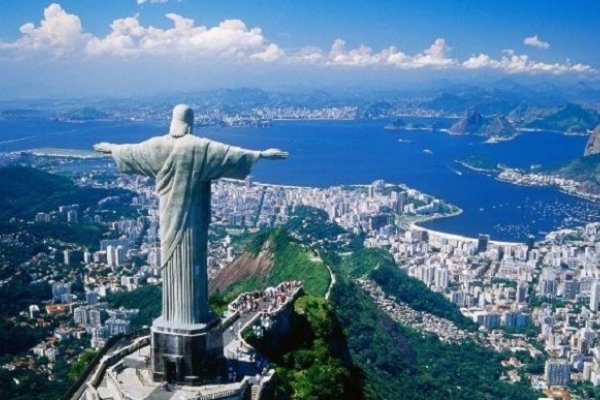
(299, 200)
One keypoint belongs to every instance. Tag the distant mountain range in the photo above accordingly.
(571, 118)
(541, 105)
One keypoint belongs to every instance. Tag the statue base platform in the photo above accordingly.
(189, 354)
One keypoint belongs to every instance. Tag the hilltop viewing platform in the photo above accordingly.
(123, 372)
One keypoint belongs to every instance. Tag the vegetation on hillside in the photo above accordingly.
(584, 169)
(401, 363)
(291, 261)
(148, 299)
(379, 266)
(313, 362)
(571, 118)
(389, 360)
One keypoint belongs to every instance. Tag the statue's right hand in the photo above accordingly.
(274, 154)
(103, 147)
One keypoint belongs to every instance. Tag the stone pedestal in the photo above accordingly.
(189, 354)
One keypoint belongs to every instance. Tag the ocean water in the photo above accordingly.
(325, 153)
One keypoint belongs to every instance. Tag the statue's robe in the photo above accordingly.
(183, 168)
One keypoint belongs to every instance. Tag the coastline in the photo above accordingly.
(61, 152)
(472, 168)
(453, 236)
(563, 189)
(415, 224)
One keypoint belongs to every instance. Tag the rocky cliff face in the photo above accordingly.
(245, 266)
(593, 144)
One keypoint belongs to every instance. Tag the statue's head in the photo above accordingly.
(182, 122)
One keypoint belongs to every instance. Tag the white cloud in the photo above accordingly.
(359, 57)
(308, 55)
(58, 32)
(152, 1)
(271, 53)
(535, 41)
(231, 38)
(61, 35)
(435, 56)
(513, 63)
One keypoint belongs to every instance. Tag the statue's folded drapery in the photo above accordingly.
(183, 168)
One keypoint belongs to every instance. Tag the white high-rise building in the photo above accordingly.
(557, 372)
(595, 296)
(441, 278)
(80, 316)
(87, 257)
(117, 326)
(94, 318)
(111, 255)
(120, 255)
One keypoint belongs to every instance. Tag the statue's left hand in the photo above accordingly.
(274, 154)
(103, 147)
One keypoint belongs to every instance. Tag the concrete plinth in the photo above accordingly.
(189, 354)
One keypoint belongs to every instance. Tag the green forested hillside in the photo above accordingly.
(292, 260)
(400, 363)
(314, 362)
(584, 169)
(379, 266)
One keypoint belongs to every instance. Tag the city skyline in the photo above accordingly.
(159, 45)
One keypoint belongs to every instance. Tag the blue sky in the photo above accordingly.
(131, 46)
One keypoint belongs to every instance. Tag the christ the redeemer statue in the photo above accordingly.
(184, 166)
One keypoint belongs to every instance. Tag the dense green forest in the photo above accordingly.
(313, 362)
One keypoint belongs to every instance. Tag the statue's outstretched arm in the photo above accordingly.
(103, 147)
(274, 154)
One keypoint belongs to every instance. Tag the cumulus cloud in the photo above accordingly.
(308, 55)
(514, 63)
(535, 41)
(231, 38)
(58, 32)
(435, 56)
(61, 34)
(359, 57)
